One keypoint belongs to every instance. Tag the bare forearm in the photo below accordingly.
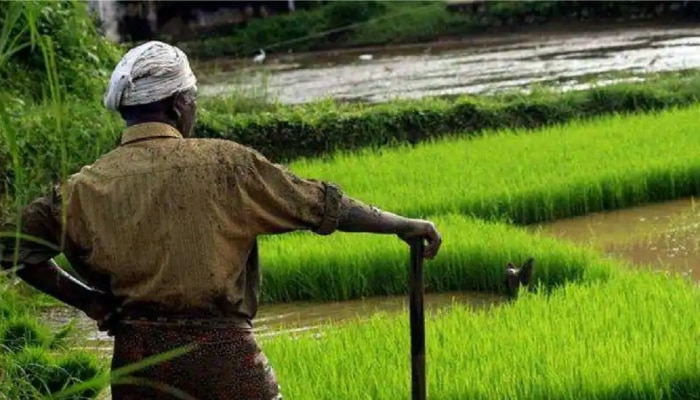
(359, 217)
(51, 279)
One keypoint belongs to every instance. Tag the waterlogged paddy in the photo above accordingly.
(663, 236)
(561, 59)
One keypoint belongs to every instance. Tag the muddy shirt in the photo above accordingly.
(170, 224)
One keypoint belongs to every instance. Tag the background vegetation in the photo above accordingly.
(37, 40)
(362, 23)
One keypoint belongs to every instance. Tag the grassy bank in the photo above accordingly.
(366, 23)
(317, 129)
(633, 337)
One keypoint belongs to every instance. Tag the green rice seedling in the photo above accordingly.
(632, 337)
(39, 374)
(559, 172)
(21, 332)
(81, 367)
(473, 257)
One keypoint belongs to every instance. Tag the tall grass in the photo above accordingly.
(33, 362)
(558, 172)
(633, 337)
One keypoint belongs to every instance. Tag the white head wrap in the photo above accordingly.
(148, 73)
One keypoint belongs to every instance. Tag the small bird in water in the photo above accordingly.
(260, 57)
(516, 277)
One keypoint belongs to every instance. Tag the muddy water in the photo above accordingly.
(564, 60)
(664, 236)
(275, 319)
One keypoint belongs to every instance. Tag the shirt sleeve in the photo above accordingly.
(39, 232)
(278, 201)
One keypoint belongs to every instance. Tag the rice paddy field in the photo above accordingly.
(563, 171)
(632, 337)
(593, 327)
(600, 330)
(569, 170)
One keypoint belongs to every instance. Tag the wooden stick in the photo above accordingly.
(417, 320)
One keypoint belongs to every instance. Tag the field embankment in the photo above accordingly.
(370, 23)
(320, 128)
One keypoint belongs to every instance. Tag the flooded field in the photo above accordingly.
(664, 236)
(564, 60)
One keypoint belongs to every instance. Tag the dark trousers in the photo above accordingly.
(224, 363)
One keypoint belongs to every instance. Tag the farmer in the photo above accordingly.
(163, 229)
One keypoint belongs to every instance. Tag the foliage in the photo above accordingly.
(82, 56)
(33, 361)
(384, 22)
(36, 41)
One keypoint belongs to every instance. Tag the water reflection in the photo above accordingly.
(473, 67)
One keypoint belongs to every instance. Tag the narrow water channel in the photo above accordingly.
(275, 319)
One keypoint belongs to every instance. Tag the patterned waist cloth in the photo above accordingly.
(221, 360)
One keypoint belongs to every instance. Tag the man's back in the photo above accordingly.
(163, 217)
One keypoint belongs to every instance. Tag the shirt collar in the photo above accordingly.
(149, 130)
